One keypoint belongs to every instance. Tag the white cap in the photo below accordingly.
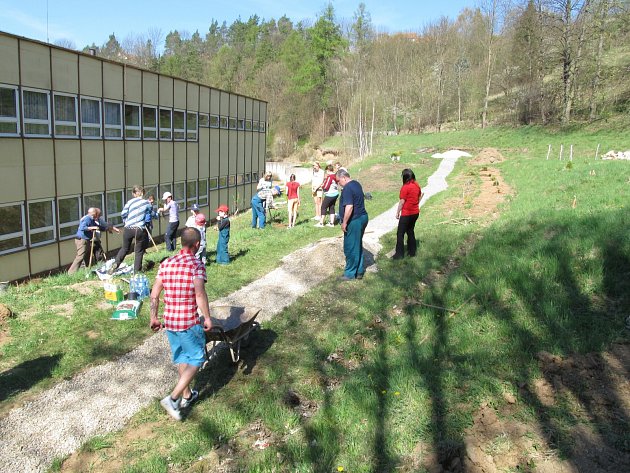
(166, 195)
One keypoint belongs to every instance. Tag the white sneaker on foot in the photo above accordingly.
(187, 402)
(318, 225)
(315, 218)
(330, 224)
(171, 407)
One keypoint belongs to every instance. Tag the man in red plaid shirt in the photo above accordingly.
(183, 278)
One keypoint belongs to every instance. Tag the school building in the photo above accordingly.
(78, 131)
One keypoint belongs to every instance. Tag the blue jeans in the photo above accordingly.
(258, 212)
(353, 247)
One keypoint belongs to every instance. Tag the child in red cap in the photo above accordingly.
(224, 235)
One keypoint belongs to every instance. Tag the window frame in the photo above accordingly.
(71, 223)
(203, 120)
(101, 205)
(262, 126)
(164, 129)
(16, 120)
(214, 118)
(128, 128)
(107, 126)
(192, 199)
(232, 180)
(212, 187)
(176, 195)
(192, 135)
(248, 178)
(22, 233)
(240, 179)
(111, 215)
(52, 227)
(91, 125)
(223, 182)
(179, 131)
(36, 121)
(240, 123)
(233, 123)
(64, 122)
(223, 122)
(248, 125)
(255, 125)
(154, 129)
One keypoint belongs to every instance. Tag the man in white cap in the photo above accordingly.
(170, 206)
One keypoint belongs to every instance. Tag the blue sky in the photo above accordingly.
(84, 22)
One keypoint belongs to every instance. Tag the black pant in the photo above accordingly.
(328, 205)
(170, 237)
(129, 234)
(406, 225)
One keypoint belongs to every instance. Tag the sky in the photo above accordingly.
(85, 22)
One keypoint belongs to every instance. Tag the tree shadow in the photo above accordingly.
(27, 374)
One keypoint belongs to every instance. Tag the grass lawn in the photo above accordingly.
(385, 373)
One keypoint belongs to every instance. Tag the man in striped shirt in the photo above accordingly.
(134, 213)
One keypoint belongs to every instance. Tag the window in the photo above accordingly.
(65, 115)
(41, 222)
(151, 190)
(240, 178)
(223, 122)
(132, 121)
(179, 192)
(232, 123)
(93, 200)
(255, 126)
(214, 121)
(12, 235)
(261, 127)
(191, 126)
(90, 118)
(213, 183)
(222, 182)
(191, 194)
(241, 124)
(255, 176)
(232, 180)
(9, 112)
(149, 123)
(204, 120)
(179, 124)
(166, 124)
(248, 178)
(36, 107)
(165, 188)
(68, 215)
(113, 119)
(248, 125)
(115, 204)
(202, 192)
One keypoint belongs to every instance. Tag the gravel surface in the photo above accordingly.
(101, 399)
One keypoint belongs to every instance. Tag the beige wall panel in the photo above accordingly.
(166, 91)
(225, 103)
(240, 152)
(193, 97)
(192, 161)
(133, 157)
(213, 201)
(166, 163)
(233, 105)
(91, 76)
(14, 266)
(204, 153)
(263, 112)
(133, 85)
(150, 87)
(224, 141)
(179, 92)
(215, 101)
(256, 110)
(204, 99)
(224, 198)
(68, 251)
(93, 167)
(233, 152)
(40, 169)
(9, 72)
(180, 161)
(248, 151)
(44, 258)
(249, 105)
(214, 151)
(112, 81)
(248, 191)
(255, 161)
(68, 173)
(113, 241)
(261, 150)
(35, 64)
(114, 165)
(11, 170)
(151, 162)
(65, 70)
(241, 107)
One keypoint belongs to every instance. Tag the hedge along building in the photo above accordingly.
(78, 131)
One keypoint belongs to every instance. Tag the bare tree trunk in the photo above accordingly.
(492, 7)
(372, 130)
(597, 77)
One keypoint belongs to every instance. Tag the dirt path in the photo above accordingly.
(102, 399)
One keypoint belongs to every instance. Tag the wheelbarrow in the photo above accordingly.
(231, 325)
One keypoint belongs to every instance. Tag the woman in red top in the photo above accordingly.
(407, 214)
(293, 199)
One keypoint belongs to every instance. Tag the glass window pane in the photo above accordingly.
(65, 109)
(179, 192)
(204, 120)
(191, 121)
(132, 115)
(40, 237)
(8, 107)
(69, 210)
(112, 114)
(214, 121)
(224, 122)
(94, 200)
(90, 111)
(8, 127)
(191, 193)
(11, 243)
(10, 219)
(35, 105)
(149, 119)
(40, 214)
(232, 123)
(178, 120)
(213, 183)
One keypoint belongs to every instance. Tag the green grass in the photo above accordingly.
(543, 276)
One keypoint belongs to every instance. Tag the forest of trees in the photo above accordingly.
(501, 62)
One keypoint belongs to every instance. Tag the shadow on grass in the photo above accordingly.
(25, 375)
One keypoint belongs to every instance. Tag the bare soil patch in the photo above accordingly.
(87, 287)
(63, 309)
(487, 156)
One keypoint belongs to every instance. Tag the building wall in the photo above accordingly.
(78, 131)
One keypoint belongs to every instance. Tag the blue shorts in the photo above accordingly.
(187, 345)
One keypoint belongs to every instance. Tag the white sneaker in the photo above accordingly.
(187, 402)
(330, 224)
(315, 218)
(318, 225)
(171, 407)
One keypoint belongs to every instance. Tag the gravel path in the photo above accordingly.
(102, 399)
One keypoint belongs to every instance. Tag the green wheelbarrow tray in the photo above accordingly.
(231, 325)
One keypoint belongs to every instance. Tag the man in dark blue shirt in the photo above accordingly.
(354, 219)
(84, 239)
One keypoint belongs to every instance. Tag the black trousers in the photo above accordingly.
(328, 205)
(406, 226)
(140, 237)
(170, 237)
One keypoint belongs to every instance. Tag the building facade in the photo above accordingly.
(78, 131)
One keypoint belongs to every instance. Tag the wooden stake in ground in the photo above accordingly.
(548, 152)
(597, 151)
(571, 153)
(561, 150)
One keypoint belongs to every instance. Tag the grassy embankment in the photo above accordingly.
(388, 379)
